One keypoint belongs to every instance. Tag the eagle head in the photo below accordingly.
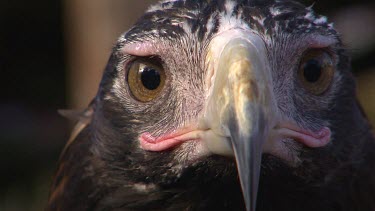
(223, 104)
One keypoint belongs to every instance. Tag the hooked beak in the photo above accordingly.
(238, 110)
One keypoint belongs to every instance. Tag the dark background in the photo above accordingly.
(41, 72)
(32, 88)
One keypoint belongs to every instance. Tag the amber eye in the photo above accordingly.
(146, 79)
(316, 71)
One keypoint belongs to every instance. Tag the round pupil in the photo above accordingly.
(312, 70)
(150, 78)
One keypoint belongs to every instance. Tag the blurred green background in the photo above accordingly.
(52, 54)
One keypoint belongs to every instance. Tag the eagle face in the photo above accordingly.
(197, 91)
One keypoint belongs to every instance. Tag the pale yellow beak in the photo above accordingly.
(239, 105)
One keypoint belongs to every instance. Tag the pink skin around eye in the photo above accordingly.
(319, 41)
(140, 49)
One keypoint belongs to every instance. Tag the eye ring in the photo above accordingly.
(316, 71)
(146, 78)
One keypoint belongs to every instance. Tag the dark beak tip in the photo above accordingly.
(248, 158)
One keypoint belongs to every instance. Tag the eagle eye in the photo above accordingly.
(146, 79)
(316, 71)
